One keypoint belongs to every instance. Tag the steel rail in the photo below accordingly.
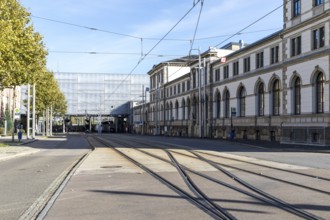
(256, 196)
(266, 176)
(172, 186)
(280, 203)
(195, 189)
(266, 166)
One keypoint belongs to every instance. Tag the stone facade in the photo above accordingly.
(275, 89)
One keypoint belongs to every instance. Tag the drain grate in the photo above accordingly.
(110, 167)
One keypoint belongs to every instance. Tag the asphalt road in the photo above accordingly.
(24, 179)
(108, 186)
(302, 155)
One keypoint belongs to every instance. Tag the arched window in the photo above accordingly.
(276, 97)
(297, 96)
(194, 109)
(227, 104)
(171, 111)
(206, 107)
(183, 106)
(241, 99)
(153, 114)
(188, 108)
(261, 100)
(320, 93)
(161, 112)
(218, 105)
(176, 117)
(167, 110)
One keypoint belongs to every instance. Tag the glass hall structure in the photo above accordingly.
(100, 93)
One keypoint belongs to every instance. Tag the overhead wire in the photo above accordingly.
(256, 21)
(86, 27)
(141, 37)
(241, 31)
(145, 55)
(199, 17)
(112, 53)
(194, 36)
(105, 31)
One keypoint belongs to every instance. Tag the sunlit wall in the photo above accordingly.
(99, 93)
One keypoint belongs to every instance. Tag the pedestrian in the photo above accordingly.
(232, 134)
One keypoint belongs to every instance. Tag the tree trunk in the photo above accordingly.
(47, 121)
(51, 121)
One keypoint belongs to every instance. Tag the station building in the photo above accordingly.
(275, 89)
(98, 97)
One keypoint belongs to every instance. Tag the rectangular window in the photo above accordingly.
(153, 82)
(217, 75)
(274, 54)
(236, 68)
(179, 88)
(194, 79)
(296, 8)
(260, 60)
(183, 87)
(188, 85)
(247, 64)
(318, 38)
(295, 46)
(174, 90)
(226, 72)
(318, 2)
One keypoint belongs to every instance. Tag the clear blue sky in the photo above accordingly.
(143, 19)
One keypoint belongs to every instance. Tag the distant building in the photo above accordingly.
(275, 89)
(99, 93)
(7, 100)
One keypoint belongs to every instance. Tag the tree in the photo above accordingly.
(22, 52)
(8, 119)
(49, 95)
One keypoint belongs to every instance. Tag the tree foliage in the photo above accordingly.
(23, 57)
(22, 52)
(48, 94)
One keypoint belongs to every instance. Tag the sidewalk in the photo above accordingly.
(15, 149)
(277, 146)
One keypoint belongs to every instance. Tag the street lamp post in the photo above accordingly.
(28, 116)
(199, 92)
(34, 111)
(205, 103)
(144, 116)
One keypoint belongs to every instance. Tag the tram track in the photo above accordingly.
(259, 174)
(206, 205)
(271, 167)
(280, 203)
(267, 176)
(263, 196)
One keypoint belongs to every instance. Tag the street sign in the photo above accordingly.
(17, 113)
